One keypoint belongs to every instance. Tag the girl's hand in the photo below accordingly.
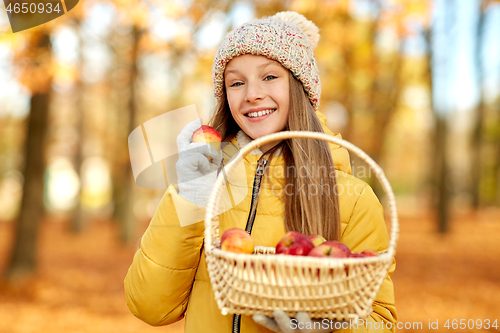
(303, 323)
(197, 166)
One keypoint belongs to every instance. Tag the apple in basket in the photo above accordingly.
(294, 243)
(364, 254)
(370, 253)
(237, 240)
(317, 239)
(207, 134)
(330, 249)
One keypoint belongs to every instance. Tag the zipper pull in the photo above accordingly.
(260, 167)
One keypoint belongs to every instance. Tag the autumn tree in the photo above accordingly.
(476, 166)
(494, 152)
(128, 49)
(38, 77)
(439, 78)
(78, 222)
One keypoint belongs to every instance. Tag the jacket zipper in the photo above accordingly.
(261, 165)
(255, 193)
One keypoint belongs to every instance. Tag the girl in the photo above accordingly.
(265, 81)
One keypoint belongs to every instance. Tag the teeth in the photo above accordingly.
(260, 113)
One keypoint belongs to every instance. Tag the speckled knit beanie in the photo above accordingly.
(286, 37)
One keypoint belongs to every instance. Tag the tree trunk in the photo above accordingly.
(127, 187)
(476, 166)
(347, 98)
(497, 167)
(78, 222)
(496, 156)
(23, 257)
(442, 176)
(496, 159)
(384, 97)
(439, 68)
(116, 138)
(384, 105)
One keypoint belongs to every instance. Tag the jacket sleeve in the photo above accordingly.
(366, 229)
(159, 280)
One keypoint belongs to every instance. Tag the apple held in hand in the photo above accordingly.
(294, 243)
(237, 240)
(207, 134)
(330, 249)
(317, 239)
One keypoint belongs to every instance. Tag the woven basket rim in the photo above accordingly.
(211, 240)
(299, 260)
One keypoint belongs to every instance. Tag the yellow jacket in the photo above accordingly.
(168, 278)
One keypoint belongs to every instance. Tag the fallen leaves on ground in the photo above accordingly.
(78, 286)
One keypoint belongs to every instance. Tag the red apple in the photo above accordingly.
(331, 249)
(370, 253)
(317, 239)
(208, 135)
(294, 243)
(237, 240)
(354, 255)
(364, 254)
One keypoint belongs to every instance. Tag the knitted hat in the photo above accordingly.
(286, 37)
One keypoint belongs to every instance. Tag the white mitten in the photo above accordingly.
(197, 166)
(282, 323)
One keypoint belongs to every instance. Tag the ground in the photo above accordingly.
(78, 286)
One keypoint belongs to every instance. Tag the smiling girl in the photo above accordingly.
(265, 81)
(257, 91)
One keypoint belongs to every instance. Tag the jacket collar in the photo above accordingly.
(243, 139)
(340, 155)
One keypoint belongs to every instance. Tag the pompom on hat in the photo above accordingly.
(286, 37)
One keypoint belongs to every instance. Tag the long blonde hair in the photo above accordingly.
(308, 213)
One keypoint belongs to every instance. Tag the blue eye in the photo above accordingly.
(270, 77)
(236, 84)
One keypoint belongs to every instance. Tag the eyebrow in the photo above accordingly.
(270, 62)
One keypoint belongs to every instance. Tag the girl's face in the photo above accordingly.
(257, 91)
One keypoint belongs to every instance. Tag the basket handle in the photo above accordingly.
(212, 220)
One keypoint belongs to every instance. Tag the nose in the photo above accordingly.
(254, 92)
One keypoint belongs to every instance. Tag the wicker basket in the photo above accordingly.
(336, 289)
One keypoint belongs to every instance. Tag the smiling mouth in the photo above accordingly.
(259, 113)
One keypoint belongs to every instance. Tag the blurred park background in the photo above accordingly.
(414, 83)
